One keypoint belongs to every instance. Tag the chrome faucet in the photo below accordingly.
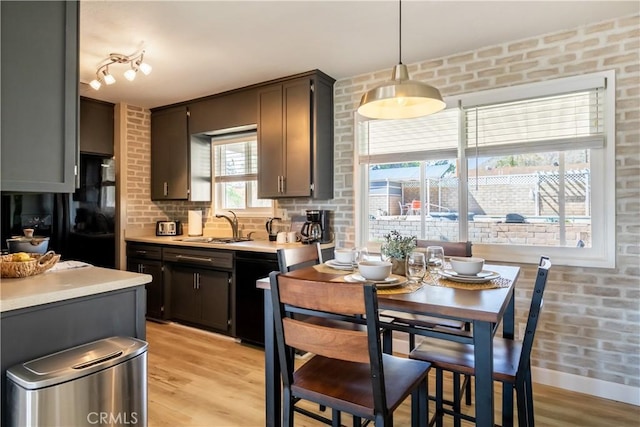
(233, 222)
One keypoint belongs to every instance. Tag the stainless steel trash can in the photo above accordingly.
(103, 383)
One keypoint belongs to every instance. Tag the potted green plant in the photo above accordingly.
(395, 248)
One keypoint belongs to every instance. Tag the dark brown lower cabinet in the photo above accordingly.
(155, 290)
(200, 296)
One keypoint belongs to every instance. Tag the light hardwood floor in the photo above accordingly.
(202, 379)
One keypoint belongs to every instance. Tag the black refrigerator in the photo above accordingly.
(80, 226)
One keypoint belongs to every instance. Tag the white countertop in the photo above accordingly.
(54, 286)
(263, 246)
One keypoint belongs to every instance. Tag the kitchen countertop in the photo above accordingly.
(263, 246)
(60, 285)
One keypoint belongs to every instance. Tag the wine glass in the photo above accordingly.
(416, 266)
(435, 259)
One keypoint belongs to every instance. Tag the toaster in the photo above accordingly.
(168, 228)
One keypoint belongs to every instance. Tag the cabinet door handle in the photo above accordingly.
(141, 252)
(194, 280)
(141, 268)
(165, 188)
(197, 280)
(194, 258)
(283, 189)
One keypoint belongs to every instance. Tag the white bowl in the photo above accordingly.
(467, 266)
(344, 256)
(374, 270)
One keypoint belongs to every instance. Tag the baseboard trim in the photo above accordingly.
(591, 386)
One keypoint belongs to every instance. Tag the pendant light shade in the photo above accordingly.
(401, 97)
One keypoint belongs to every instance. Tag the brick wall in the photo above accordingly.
(590, 323)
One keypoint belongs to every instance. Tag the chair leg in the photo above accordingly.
(439, 397)
(357, 421)
(287, 415)
(420, 405)
(335, 418)
(507, 404)
(456, 399)
(387, 341)
(412, 342)
(529, 398)
(522, 403)
(467, 397)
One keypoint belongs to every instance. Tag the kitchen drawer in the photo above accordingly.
(205, 258)
(141, 251)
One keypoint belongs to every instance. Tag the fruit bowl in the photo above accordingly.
(35, 264)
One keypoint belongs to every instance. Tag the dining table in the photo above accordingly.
(485, 305)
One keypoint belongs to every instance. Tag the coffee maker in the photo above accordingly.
(317, 227)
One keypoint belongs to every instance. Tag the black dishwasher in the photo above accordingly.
(251, 266)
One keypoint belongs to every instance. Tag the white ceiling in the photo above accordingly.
(199, 48)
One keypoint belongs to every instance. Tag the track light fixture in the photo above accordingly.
(136, 62)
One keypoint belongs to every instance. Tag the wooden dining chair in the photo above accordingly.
(450, 249)
(348, 372)
(290, 259)
(461, 388)
(293, 258)
(511, 360)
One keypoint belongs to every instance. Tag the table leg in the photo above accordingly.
(483, 351)
(271, 367)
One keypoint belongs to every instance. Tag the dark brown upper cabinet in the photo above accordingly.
(96, 127)
(222, 112)
(39, 96)
(180, 163)
(295, 137)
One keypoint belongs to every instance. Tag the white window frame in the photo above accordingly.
(601, 254)
(217, 199)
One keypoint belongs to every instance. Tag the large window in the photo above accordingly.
(519, 172)
(236, 174)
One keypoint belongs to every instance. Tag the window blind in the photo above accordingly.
(387, 141)
(551, 123)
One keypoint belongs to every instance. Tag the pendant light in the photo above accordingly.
(400, 98)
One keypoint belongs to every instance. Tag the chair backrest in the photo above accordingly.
(291, 295)
(415, 204)
(450, 248)
(290, 259)
(534, 312)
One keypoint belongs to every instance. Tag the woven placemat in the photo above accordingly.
(405, 288)
(498, 282)
(324, 268)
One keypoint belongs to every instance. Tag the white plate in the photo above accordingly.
(390, 281)
(338, 265)
(482, 277)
